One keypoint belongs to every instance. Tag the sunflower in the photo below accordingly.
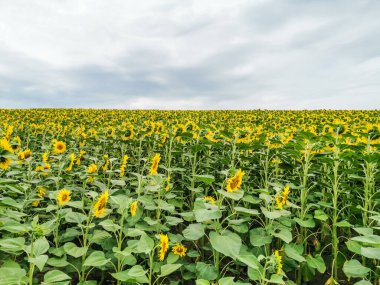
(63, 196)
(21, 155)
(59, 147)
(133, 208)
(278, 258)
(45, 157)
(179, 249)
(100, 205)
(72, 159)
(283, 197)
(234, 182)
(106, 163)
(164, 246)
(92, 168)
(80, 157)
(4, 162)
(155, 162)
(27, 153)
(123, 165)
(209, 199)
(167, 187)
(41, 191)
(5, 149)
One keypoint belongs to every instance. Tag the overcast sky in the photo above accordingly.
(190, 54)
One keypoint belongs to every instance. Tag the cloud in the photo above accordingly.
(193, 55)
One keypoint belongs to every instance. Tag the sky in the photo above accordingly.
(166, 54)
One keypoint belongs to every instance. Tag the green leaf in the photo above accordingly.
(276, 279)
(353, 268)
(76, 218)
(55, 276)
(96, 259)
(169, 269)
(226, 281)
(271, 215)
(305, 223)
(320, 215)
(12, 275)
(39, 261)
(236, 195)
(207, 179)
(145, 245)
(202, 282)
(370, 239)
(371, 252)
(206, 271)
(229, 244)
(293, 252)
(284, 234)
(259, 237)
(363, 282)
(354, 246)
(109, 225)
(57, 262)
(135, 274)
(316, 263)
(343, 224)
(194, 231)
(73, 250)
(246, 211)
(99, 236)
(364, 231)
(249, 260)
(122, 202)
(12, 245)
(40, 246)
(202, 215)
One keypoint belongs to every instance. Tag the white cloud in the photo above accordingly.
(194, 54)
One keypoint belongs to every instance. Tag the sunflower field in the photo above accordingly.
(189, 197)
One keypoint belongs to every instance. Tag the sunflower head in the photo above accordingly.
(27, 153)
(179, 249)
(155, 162)
(92, 168)
(209, 199)
(234, 182)
(5, 162)
(164, 246)
(63, 197)
(59, 147)
(100, 205)
(133, 208)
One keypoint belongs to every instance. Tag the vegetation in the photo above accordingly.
(189, 197)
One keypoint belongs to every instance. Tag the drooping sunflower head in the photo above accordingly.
(27, 153)
(21, 155)
(164, 246)
(155, 162)
(167, 187)
(278, 259)
(41, 191)
(234, 183)
(92, 168)
(100, 205)
(59, 147)
(179, 249)
(5, 147)
(4, 162)
(63, 197)
(133, 208)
